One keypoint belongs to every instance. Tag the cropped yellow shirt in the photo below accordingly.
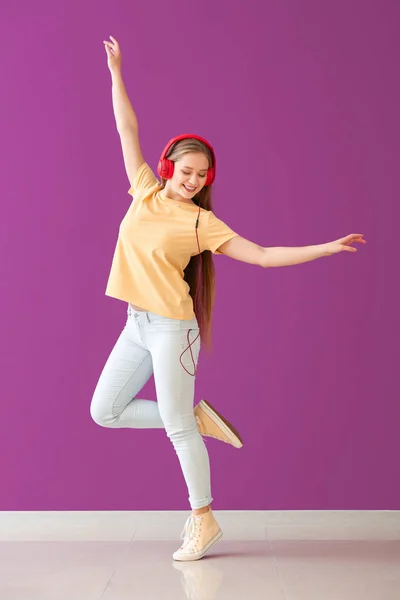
(157, 238)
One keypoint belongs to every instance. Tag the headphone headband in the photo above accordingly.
(165, 166)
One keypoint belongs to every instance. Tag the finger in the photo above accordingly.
(112, 48)
(114, 40)
(109, 49)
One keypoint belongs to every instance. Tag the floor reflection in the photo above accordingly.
(200, 580)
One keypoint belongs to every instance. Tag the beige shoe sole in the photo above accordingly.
(231, 433)
(197, 555)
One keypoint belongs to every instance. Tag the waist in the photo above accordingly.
(144, 315)
(137, 308)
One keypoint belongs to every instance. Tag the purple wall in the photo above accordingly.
(301, 103)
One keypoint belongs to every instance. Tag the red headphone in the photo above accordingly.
(165, 169)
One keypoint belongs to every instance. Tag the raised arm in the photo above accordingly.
(246, 251)
(125, 117)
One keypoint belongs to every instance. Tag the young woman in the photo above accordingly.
(163, 269)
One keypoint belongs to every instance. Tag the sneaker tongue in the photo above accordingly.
(189, 530)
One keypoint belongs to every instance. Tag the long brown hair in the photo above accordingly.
(192, 270)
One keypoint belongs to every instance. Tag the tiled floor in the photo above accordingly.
(263, 555)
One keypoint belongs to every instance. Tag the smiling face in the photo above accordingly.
(190, 174)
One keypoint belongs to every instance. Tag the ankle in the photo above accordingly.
(200, 511)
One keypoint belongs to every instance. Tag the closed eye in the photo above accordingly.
(189, 174)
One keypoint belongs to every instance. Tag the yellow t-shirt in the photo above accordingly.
(157, 238)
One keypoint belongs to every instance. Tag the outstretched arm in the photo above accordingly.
(246, 251)
(125, 116)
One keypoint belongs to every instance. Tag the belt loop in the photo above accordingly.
(148, 318)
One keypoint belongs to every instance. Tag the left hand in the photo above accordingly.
(344, 244)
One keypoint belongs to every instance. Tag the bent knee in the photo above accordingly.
(99, 416)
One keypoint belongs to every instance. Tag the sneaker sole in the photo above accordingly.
(225, 426)
(188, 557)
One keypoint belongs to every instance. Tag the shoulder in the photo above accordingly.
(144, 181)
(213, 219)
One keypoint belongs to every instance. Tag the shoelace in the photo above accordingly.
(190, 531)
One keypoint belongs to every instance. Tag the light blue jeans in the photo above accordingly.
(152, 344)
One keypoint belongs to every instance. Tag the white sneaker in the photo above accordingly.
(199, 534)
(212, 424)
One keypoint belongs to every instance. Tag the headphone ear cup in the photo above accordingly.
(165, 168)
(210, 176)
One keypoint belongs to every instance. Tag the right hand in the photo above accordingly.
(114, 57)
